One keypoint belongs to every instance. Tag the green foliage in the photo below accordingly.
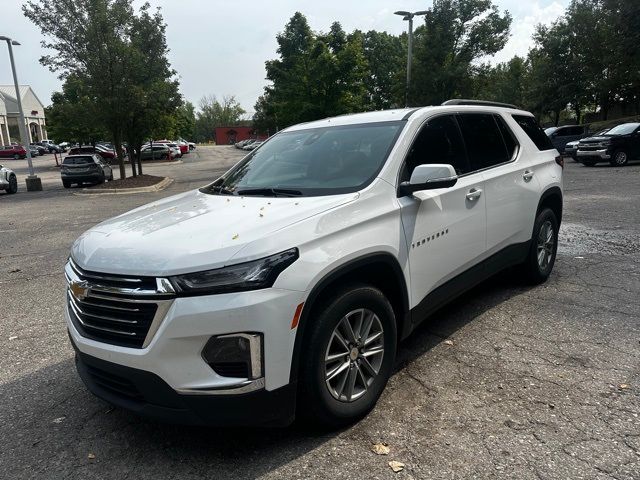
(118, 56)
(185, 121)
(456, 33)
(214, 113)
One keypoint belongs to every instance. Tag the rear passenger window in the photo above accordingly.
(508, 137)
(482, 137)
(534, 132)
(438, 142)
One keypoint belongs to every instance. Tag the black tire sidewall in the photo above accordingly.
(324, 408)
(13, 184)
(535, 273)
(613, 159)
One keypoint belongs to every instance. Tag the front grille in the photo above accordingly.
(114, 309)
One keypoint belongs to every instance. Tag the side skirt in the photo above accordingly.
(505, 258)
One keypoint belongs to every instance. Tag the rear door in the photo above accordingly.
(445, 228)
(510, 185)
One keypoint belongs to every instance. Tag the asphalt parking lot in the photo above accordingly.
(508, 382)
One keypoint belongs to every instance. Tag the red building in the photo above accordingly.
(231, 135)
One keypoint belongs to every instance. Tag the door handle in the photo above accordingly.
(474, 194)
(527, 175)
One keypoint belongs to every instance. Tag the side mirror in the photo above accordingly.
(429, 177)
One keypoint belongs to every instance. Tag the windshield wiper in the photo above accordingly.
(219, 189)
(274, 192)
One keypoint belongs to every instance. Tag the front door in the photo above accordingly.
(445, 228)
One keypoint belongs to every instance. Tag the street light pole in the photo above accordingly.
(33, 182)
(409, 17)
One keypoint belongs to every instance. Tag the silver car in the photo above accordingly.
(8, 180)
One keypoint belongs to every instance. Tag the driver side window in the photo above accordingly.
(438, 142)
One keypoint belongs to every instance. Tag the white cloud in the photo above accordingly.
(523, 26)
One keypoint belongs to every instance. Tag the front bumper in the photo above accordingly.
(593, 154)
(171, 365)
(147, 395)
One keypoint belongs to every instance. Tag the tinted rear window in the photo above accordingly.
(485, 145)
(534, 132)
(77, 160)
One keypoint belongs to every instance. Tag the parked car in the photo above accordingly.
(64, 145)
(84, 169)
(159, 151)
(617, 146)
(89, 149)
(8, 180)
(34, 151)
(560, 136)
(253, 145)
(39, 149)
(192, 146)
(53, 148)
(184, 146)
(243, 143)
(571, 148)
(175, 150)
(284, 287)
(13, 151)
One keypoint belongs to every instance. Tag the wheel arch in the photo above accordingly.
(381, 270)
(552, 199)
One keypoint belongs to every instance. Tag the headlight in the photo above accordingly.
(252, 275)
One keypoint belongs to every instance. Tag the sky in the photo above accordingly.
(219, 47)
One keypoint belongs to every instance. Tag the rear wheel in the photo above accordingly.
(349, 355)
(544, 246)
(619, 158)
(13, 184)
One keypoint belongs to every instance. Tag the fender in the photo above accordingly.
(404, 326)
(554, 191)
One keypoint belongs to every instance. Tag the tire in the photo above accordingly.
(318, 404)
(588, 163)
(536, 268)
(66, 184)
(13, 184)
(16, 157)
(619, 158)
(111, 176)
(102, 179)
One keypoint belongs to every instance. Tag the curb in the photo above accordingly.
(161, 185)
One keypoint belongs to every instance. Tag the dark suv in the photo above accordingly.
(84, 168)
(560, 136)
(617, 146)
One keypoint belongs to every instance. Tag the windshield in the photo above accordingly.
(550, 130)
(624, 129)
(77, 160)
(316, 161)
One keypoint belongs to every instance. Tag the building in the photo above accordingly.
(231, 135)
(9, 116)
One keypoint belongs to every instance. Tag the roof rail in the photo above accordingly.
(461, 101)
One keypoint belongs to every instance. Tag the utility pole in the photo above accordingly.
(409, 17)
(34, 184)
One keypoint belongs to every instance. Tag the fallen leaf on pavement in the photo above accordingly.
(14, 337)
(59, 419)
(396, 466)
(448, 342)
(624, 386)
(91, 456)
(380, 449)
(15, 270)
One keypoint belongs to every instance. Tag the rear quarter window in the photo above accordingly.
(530, 126)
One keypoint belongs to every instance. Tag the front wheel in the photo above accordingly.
(542, 251)
(66, 184)
(16, 157)
(13, 184)
(619, 159)
(349, 355)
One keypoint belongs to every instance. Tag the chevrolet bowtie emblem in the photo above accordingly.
(79, 289)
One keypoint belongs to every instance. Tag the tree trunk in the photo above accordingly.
(132, 161)
(139, 163)
(556, 117)
(118, 143)
(576, 109)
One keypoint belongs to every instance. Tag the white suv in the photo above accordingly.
(8, 180)
(285, 285)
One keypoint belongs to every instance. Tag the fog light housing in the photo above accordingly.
(236, 355)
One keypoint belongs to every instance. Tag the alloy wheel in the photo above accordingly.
(620, 158)
(354, 355)
(546, 242)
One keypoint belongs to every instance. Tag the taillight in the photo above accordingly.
(560, 160)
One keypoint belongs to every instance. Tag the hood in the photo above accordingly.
(596, 139)
(191, 231)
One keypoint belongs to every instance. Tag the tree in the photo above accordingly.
(505, 82)
(385, 55)
(102, 43)
(71, 115)
(214, 113)
(456, 34)
(186, 121)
